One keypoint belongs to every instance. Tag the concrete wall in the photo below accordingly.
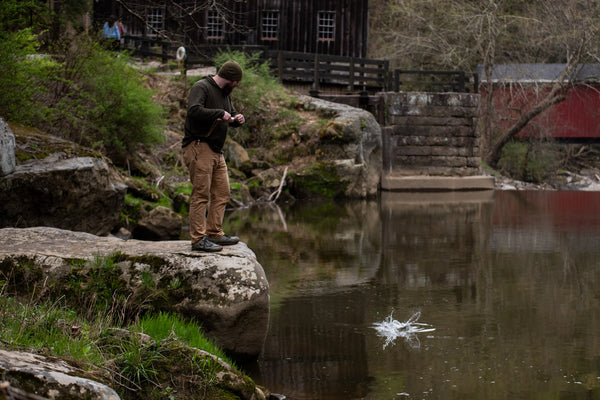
(431, 134)
(428, 136)
(430, 141)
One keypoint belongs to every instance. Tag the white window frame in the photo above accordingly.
(326, 26)
(155, 20)
(215, 26)
(270, 25)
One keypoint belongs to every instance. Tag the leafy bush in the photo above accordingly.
(92, 96)
(531, 162)
(105, 103)
(513, 160)
(22, 73)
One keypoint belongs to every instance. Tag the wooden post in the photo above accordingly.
(397, 82)
(475, 82)
(315, 85)
(461, 81)
(386, 75)
(164, 49)
(351, 75)
(280, 66)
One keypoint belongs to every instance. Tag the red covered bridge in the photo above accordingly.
(517, 87)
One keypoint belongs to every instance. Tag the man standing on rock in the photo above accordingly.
(209, 114)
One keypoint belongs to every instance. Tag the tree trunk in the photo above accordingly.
(556, 95)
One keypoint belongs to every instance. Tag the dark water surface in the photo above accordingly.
(509, 280)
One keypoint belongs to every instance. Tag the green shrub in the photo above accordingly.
(108, 105)
(529, 161)
(92, 96)
(22, 76)
(513, 160)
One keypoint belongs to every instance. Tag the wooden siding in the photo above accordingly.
(299, 26)
(577, 118)
(298, 23)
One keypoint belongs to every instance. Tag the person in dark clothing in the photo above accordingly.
(210, 113)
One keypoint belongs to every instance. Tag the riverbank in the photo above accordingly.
(141, 318)
(587, 179)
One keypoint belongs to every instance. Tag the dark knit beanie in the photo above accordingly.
(231, 71)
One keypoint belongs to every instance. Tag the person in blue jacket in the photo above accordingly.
(110, 33)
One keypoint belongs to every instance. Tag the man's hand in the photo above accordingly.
(239, 118)
(227, 117)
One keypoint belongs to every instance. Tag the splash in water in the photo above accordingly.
(391, 329)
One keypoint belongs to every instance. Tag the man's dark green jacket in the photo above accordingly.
(206, 104)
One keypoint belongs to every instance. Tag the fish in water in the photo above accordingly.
(391, 329)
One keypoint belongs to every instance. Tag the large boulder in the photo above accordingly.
(26, 373)
(35, 377)
(78, 194)
(350, 146)
(227, 292)
(161, 223)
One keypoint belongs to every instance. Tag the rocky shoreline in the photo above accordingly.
(586, 180)
(227, 293)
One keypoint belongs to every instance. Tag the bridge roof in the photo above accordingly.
(539, 73)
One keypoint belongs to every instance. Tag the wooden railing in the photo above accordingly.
(318, 70)
(321, 71)
(166, 50)
(434, 81)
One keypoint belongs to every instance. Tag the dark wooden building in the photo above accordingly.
(333, 27)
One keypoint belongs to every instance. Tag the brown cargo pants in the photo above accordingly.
(210, 190)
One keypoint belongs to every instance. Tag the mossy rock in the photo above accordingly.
(319, 180)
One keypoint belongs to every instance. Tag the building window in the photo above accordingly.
(155, 20)
(214, 25)
(326, 25)
(270, 25)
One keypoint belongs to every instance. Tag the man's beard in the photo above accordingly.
(227, 89)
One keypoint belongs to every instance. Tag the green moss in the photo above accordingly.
(183, 188)
(318, 180)
(332, 132)
(164, 201)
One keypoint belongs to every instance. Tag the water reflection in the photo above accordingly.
(510, 281)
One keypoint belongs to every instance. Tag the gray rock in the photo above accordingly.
(7, 149)
(356, 138)
(77, 194)
(227, 292)
(161, 223)
(31, 373)
(237, 156)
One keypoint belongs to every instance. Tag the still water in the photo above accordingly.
(508, 282)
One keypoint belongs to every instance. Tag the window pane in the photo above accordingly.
(155, 21)
(214, 25)
(270, 22)
(326, 25)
